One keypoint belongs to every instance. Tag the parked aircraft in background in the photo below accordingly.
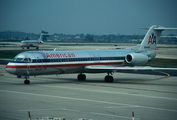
(32, 43)
(28, 43)
(34, 63)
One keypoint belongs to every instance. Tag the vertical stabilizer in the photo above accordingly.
(41, 36)
(151, 38)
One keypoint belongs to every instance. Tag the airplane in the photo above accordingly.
(34, 63)
(32, 43)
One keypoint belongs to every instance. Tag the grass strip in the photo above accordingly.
(9, 54)
(162, 62)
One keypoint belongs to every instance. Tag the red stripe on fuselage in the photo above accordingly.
(62, 65)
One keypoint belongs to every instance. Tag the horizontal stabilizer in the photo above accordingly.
(164, 28)
(160, 28)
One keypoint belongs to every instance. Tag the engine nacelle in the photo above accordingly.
(136, 58)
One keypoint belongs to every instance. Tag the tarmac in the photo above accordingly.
(150, 96)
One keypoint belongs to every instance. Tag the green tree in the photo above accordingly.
(89, 38)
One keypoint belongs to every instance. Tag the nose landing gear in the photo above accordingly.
(26, 82)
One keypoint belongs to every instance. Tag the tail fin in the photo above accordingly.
(151, 38)
(40, 38)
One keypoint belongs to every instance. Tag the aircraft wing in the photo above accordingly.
(111, 68)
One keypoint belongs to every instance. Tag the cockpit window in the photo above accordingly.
(18, 59)
(27, 60)
(22, 59)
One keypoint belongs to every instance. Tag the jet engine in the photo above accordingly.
(136, 59)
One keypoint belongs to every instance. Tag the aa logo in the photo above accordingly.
(152, 39)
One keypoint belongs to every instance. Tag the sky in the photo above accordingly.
(97, 17)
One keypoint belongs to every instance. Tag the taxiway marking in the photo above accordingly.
(113, 115)
(86, 100)
(101, 91)
(167, 75)
(146, 108)
(65, 109)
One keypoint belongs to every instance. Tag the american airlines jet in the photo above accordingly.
(32, 43)
(34, 63)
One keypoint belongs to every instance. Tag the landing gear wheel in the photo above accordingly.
(26, 82)
(108, 79)
(81, 77)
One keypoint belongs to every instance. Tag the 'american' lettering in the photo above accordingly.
(60, 55)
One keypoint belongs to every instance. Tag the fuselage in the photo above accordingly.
(30, 43)
(59, 62)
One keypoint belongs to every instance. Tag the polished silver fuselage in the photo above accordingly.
(59, 62)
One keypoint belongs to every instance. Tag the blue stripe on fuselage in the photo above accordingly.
(71, 59)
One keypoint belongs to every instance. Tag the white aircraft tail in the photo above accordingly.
(40, 38)
(151, 38)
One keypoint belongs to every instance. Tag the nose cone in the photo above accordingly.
(10, 69)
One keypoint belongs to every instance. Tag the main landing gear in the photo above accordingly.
(108, 78)
(81, 77)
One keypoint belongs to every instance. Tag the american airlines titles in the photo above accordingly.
(60, 55)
